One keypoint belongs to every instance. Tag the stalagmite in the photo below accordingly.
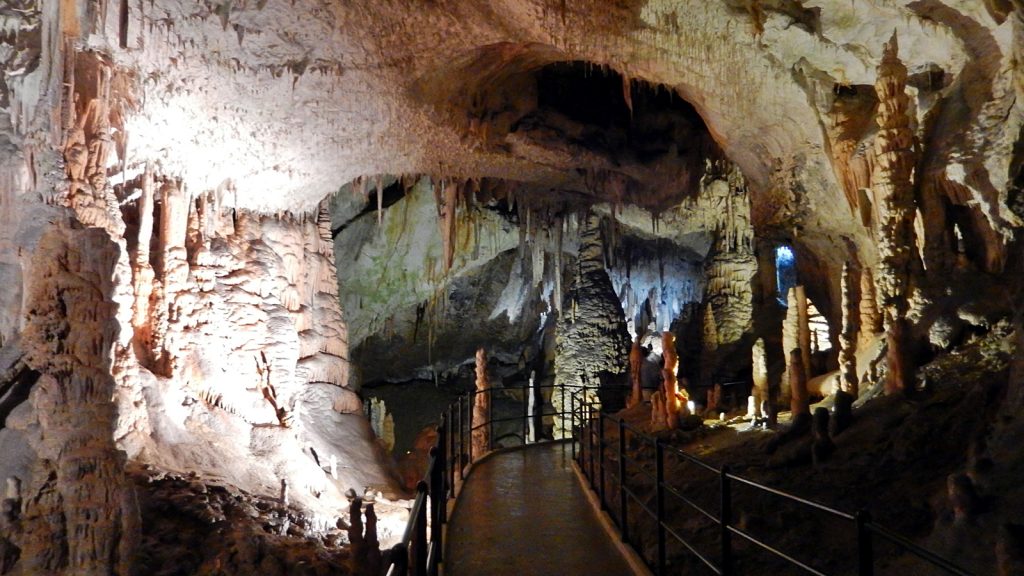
(675, 399)
(870, 318)
(822, 446)
(893, 189)
(481, 437)
(591, 341)
(709, 348)
(790, 341)
(848, 336)
(803, 330)
(798, 400)
(760, 377)
(636, 359)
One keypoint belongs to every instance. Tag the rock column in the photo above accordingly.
(848, 337)
(891, 184)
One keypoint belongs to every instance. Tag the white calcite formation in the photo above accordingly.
(170, 293)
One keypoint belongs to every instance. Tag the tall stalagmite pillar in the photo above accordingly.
(674, 400)
(760, 374)
(796, 335)
(798, 400)
(481, 436)
(709, 348)
(870, 319)
(848, 336)
(891, 184)
(803, 329)
(591, 342)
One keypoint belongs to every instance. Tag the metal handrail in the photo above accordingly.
(416, 554)
(863, 526)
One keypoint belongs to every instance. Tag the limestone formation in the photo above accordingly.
(796, 335)
(848, 379)
(668, 409)
(822, 446)
(893, 189)
(760, 392)
(481, 436)
(636, 360)
(732, 267)
(870, 318)
(803, 330)
(798, 395)
(592, 344)
(709, 348)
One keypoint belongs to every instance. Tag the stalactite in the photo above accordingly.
(446, 209)
(891, 183)
(848, 336)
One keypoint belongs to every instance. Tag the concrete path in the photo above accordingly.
(524, 513)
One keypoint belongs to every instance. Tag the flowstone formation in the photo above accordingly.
(592, 344)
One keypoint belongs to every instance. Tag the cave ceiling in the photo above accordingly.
(281, 103)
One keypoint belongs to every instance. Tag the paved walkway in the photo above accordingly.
(524, 513)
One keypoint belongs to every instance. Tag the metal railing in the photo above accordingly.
(592, 457)
(421, 550)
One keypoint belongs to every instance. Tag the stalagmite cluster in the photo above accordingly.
(732, 266)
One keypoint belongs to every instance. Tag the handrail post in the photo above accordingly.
(561, 411)
(623, 504)
(490, 418)
(572, 430)
(400, 558)
(472, 403)
(590, 441)
(600, 461)
(659, 476)
(450, 462)
(420, 535)
(526, 412)
(436, 504)
(462, 441)
(724, 519)
(440, 466)
(865, 547)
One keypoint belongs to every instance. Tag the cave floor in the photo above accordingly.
(523, 512)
